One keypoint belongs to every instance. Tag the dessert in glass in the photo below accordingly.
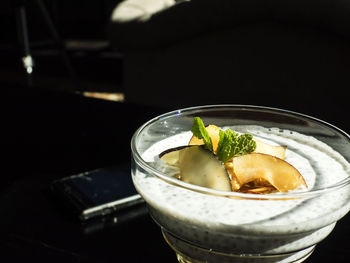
(271, 203)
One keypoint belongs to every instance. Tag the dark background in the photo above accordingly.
(82, 28)
(48, 131)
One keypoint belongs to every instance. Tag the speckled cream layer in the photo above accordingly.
(246, 225)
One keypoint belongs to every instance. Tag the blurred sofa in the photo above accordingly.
(293, 54)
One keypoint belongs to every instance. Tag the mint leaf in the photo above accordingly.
(232, 144)
(198, 130)
(245, 144)
(225, 145)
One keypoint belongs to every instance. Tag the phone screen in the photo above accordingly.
(98, 192)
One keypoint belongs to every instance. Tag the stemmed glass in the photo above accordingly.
(205, 225)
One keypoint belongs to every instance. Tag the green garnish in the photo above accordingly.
(198, 130)
(231, 144)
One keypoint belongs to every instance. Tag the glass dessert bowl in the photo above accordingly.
(202, 224)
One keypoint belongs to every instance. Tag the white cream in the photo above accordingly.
(246, 225)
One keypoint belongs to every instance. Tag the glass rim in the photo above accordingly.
(274, 196)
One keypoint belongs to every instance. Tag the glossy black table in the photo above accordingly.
(49, 135)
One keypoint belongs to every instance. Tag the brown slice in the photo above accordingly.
(274, 150)
(279, 173)
(258, 186)
(213, 132)
(260, 190)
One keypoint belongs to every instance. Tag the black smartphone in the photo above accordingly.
(98, 193)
